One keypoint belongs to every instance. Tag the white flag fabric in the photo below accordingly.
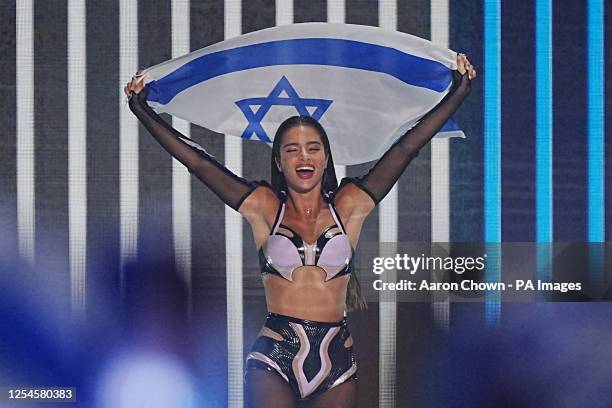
(366, 85)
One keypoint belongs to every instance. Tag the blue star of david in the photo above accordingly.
(274, 99)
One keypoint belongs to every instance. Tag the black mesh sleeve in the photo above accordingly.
(381, 178)
(226, 185)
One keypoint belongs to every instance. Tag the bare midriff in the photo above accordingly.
(308, 296)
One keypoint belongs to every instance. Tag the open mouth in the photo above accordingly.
(305, 172)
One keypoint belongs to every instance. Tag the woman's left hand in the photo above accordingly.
(463, 66)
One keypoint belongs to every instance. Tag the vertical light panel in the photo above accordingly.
(25, 129)
(492, 153)
(595, 148)
(181, 179)
(596, 118)
(387, 226)
(440, 158)
(77, 153)
(544, 200)
(544, 142)
(284, 12)
(336, 14)
(233, 243)
(128, 139)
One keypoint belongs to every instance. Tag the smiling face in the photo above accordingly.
(302, 158)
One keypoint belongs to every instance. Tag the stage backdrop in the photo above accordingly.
(108, 248)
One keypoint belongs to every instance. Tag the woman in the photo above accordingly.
(305, 228)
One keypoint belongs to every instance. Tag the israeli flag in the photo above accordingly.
(366, 85)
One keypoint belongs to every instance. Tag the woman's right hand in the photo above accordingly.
(136, 85)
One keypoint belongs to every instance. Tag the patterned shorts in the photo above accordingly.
(311, 356)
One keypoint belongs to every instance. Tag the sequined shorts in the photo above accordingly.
(311, 357)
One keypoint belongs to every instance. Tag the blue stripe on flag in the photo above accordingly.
(407, 68)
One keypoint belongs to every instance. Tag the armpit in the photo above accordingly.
(352, 200)
(260, 204)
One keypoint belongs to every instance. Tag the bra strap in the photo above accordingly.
(279, 218)
(336, 218)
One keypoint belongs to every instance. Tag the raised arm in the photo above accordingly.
(381, 178)
(225, 184)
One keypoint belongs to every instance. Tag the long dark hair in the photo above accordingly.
(329, 185)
